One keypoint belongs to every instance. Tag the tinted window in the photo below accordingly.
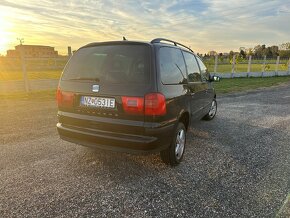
(203, 69)
(192, 67)
(110, 64)
(172, 66)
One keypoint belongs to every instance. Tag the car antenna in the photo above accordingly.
(124, 39)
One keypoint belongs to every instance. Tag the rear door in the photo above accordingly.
(196, 87)
(172, 82)
(209, 94)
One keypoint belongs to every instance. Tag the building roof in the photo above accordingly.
(42, 46)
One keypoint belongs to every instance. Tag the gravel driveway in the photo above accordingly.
(237, 165)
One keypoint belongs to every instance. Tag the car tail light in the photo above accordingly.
(155, 104)
(64, 99)
(133, 105)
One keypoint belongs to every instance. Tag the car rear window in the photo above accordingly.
(121, 64)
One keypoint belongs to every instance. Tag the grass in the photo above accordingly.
(8, 74)
(245, 84)
(227, 68)
(33, 95)
(32, 75)
(222, 87)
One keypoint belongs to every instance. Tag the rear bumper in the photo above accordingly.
(155, 139)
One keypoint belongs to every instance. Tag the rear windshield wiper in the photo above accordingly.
(86, 78)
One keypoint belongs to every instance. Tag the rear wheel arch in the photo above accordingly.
(185, 119)
(173, 155)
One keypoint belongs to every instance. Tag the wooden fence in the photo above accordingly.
(56, 63)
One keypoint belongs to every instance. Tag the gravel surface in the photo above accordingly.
(237, 165)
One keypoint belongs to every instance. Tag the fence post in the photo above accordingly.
(264, 65)
(249, 65)
(277, 65)
(289, 66)
(233, 65)
(55, 63)
(215, 63)
(24, 72)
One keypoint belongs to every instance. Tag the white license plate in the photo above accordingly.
(90, 101)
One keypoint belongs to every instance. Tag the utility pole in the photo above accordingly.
(22, 56)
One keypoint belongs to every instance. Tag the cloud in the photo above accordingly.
(201, 24)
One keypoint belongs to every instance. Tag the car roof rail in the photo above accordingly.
(158, 40)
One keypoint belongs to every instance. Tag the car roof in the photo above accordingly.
(123, 42)
(157, 41)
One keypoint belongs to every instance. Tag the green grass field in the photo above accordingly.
(245, 84)
(55, 74)
(222, 87)
(17, 75)
(7, 72)
(227, 68)
(33, 95)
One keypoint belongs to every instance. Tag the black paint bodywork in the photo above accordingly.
(113, 129)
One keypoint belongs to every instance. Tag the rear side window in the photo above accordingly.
(203, 70)
(172, 66)
(192, 67)
(122, 64)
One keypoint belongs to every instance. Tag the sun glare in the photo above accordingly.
(4, 34)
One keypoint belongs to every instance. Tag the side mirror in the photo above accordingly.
(214, 79)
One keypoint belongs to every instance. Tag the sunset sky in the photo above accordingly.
(203, 25)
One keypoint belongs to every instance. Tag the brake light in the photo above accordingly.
(64, 99)
(155, 104)
(133, 105)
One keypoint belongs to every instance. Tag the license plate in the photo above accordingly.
(90, 101)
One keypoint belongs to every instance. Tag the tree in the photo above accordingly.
(249, 52)
(284, 53)
(268, 52)
(285, 46)
(231, 54)
(243, 54)
(258, 51)
(274, 49)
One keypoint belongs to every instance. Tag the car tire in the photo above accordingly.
(174, 153)
(212, 111)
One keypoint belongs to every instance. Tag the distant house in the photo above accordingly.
(33, 51)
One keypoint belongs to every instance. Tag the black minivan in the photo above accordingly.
(134, 97)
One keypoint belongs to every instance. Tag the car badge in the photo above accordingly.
(96, 88)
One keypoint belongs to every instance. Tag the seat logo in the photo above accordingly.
(96, 88)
